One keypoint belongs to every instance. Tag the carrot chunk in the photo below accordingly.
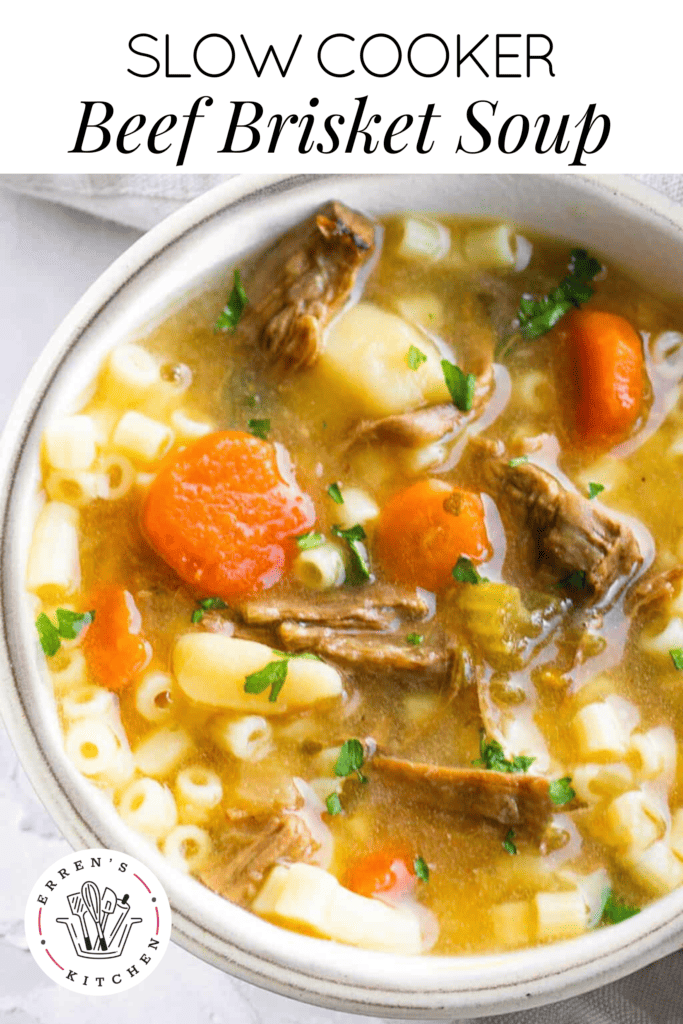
(113, 645)
(386, 871)
(222, 513)
(424, 529)
(606, 360)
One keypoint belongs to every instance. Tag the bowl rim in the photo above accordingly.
(311, 969)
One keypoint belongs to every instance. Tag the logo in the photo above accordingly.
(98, 922)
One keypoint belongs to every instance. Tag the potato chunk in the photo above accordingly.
(366, 354)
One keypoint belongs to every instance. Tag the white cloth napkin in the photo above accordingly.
(651, 996)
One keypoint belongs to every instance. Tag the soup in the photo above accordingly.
(361, 592)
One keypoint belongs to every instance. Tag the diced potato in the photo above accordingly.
(307, 897)
(367, 354)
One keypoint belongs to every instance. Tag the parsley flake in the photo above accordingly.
(350, 760)
(333, 804)
(461, 385)
(359, 569)
(415, 639)
(538, 316)
(69, 626)
(232, 312)
(464, 572)
(415, 358)
(508, 844)
(335, 493)
(492, 756)
(259, 428)
(595, 489)
(614, 911)
(421, 869)
(197, 616)
(561, 792)
(576, 579)
(207, 604)
(310, 540)
(518, 461)
(677, 657)
(49, 635)
(274, 674)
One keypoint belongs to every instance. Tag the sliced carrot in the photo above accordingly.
(222, 513)
(386, 871)
(423, 530)
(113, 645)
(606, 360)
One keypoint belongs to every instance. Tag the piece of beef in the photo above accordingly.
(648, 592)
(368, 649)
(565, 533)
(513, 799)
(303, 280)
(250, 847)
(375, 607)
(424, 426)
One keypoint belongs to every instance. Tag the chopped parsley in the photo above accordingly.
(421, 869)
(232, 311)
(464, 572)
(614, 911)
(350, 760)
(538, 316)
(273, 675)
(461, 385)
(333, 804)
(561, 792)
(677, 657)
(492, 756)
(576, 579)
(415, 639)
(335, 493)
(359, 568)
(518, 461)
(259, 428)
(252, 401)
(595, 489)
(69, 626)
(207, 604)
(508, 844)
(415, 358)
(310, 540)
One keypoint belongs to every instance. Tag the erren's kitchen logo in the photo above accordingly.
(98, 922)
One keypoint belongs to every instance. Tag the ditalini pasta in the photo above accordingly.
(360, 585)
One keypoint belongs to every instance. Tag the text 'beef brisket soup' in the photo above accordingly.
(361, 592)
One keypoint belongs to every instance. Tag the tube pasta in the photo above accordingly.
(90, 701)
(633, 821)
(92, 746)
(560, 915)
(70, 672)
(76, 488)
(654, 753)
(594, 782)
(132, 371)
(661, 643)
(159, 753)
(54, 564)
(248, 739)
(152, 696)
(70, 443)
(211, 669)
(142, 438)
(358, 507)
(120, 475)
(320, 568)
(187, 429)
(198, 791)
(187, 847)
(657, 869)
(307, 896)
(148, 807)
(496, 245)
(424, 239)
(600, 734)
(676, 834)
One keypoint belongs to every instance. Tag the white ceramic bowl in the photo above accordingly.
(624, 221)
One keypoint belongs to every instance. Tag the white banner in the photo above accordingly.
(309, 87)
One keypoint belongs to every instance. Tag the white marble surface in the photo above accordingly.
(48, 256)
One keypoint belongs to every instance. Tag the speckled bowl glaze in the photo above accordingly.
(626, 222)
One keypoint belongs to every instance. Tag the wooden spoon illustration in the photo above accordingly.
(108, 906)
(91, 898)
